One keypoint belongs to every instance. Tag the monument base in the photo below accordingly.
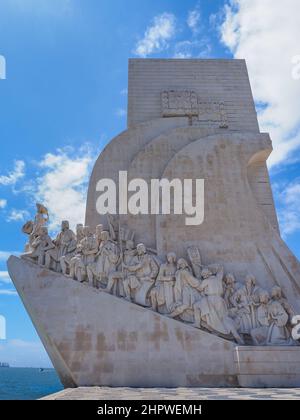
(268, 366)
(94, 338)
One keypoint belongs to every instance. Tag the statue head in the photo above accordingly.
(264, 297)
(276, 292)
(104, 236)
(41, 209)
(129, 245)
(86, 231)
(250, 281)
(79, 228)
(182, 263)
(206, 273)
(171, 257)
(43, 230)
(229, 279)
(64, 225)
(141, 249)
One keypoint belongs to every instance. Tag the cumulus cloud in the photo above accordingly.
(157, 35)
(3, 203)
(15, 175)
(266, 33)
(193, 19)
(17, 215)
(62, 184)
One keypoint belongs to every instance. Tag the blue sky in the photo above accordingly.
(64, 98)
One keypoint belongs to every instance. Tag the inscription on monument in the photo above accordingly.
(186, 103)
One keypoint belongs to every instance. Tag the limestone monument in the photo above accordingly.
(171, 285)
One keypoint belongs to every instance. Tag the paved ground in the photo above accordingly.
(106, 393)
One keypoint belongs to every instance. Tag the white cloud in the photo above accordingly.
(289, 203)
(266, 33)
(8, 292)
(4, 255)
(121, 112)
(197, 48)
(4, 277)
(15, 175)
(124, 92)
(17, 215)
(157, 35)
(193, 19)
(3, 203)
(21, 353)
(62, 184)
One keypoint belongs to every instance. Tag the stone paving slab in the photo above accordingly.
(107, 393)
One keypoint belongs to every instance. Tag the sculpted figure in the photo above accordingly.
(40, 245)
(87, 250)
(116, 278)
(259, 334)
(230, 289)
(99, 229)
(40, 219)
(67, 260)
(211, 310)
(195, 259)
(32, 228)
(141, 276)
(247, 300)
(186, 290)
(65, 243)
(276, 295)
(278, 333)
(113, 226)
(106, 261)
(162, 295)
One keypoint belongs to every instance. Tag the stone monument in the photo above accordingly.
(155, 298)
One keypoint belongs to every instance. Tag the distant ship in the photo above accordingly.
(4, 365)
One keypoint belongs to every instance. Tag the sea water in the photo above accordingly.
(27, 383)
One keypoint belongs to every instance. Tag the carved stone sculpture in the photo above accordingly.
(141, 277)
(106, 261)
(40, 245)
(210, 310)
(65, 243)
(162, 295)
(88, 249)
(116, 278)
